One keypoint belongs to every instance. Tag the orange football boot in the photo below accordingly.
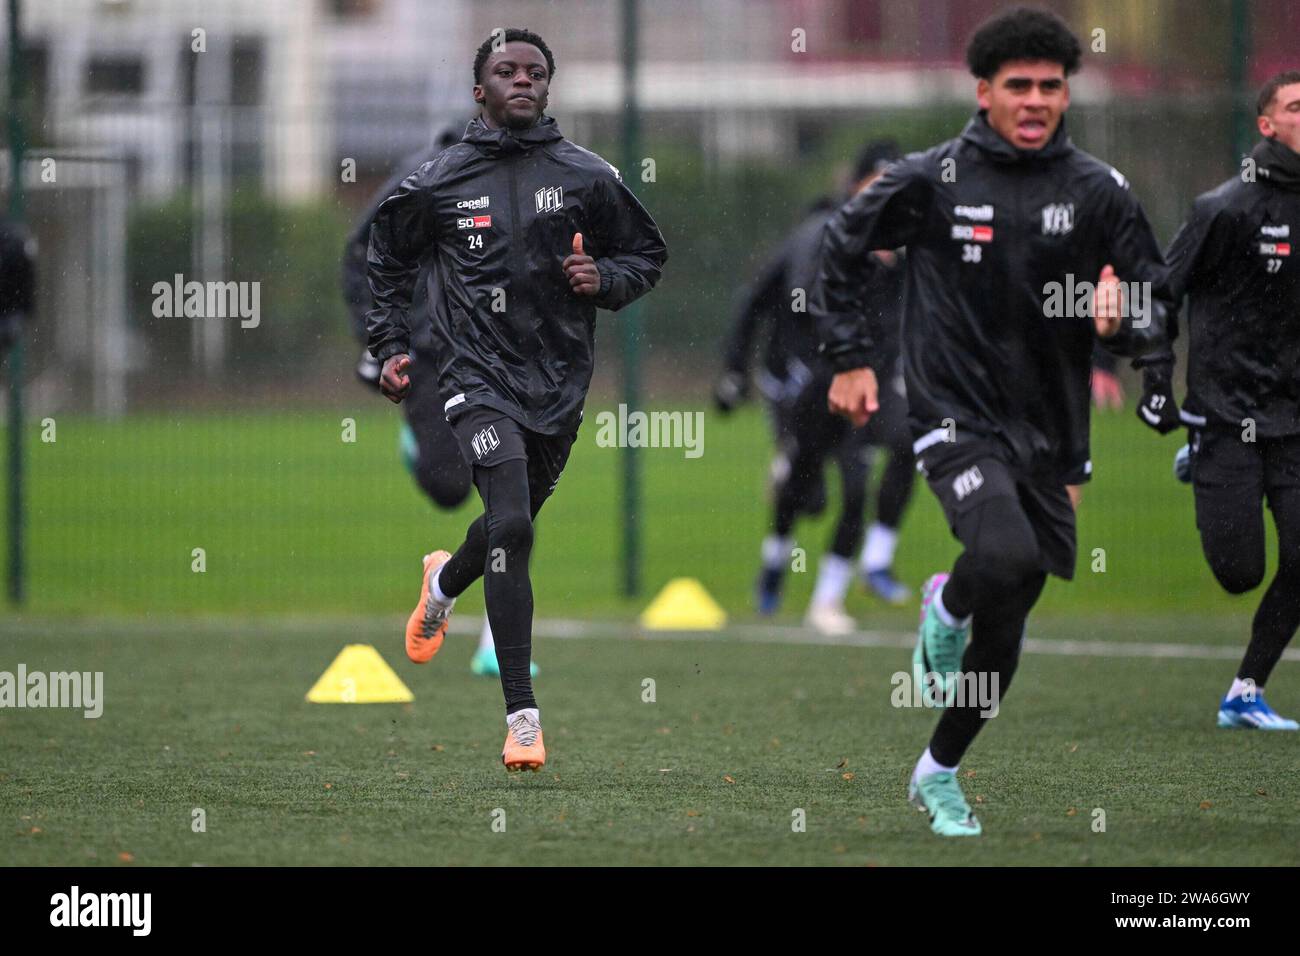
(523, 749)
(427, 625)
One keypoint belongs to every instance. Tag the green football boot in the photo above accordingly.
(940, 796)
(939, 648)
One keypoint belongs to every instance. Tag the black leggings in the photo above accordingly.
(440, 471)
(896, 487)
(998, 579)
(497, 547)
(855, 473)
(1231, 521)
(821, 436)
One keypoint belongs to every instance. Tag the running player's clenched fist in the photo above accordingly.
(584, 277)
(853, 394)
(393, 380)
(1108, 303)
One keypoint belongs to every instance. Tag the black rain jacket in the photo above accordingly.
(996, 339)
(495, 216)
(1235, 259)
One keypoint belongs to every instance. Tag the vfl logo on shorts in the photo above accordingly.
(549, 198)
(968, 482)
(485, 441)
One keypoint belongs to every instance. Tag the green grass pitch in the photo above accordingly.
(312, 543)
(740, 737)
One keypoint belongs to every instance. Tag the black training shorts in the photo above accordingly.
(487, 437)
(965, 475)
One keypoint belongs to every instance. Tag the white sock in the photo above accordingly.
(1238, 688)
(942, 611)
(878, 552)
(437, 591)
(485, 638)
(776, 552)
(834, 575)
(532, 712)
(928, 765)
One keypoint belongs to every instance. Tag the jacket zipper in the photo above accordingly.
(515, 270)
(527, 346)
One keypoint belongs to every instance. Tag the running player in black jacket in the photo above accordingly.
(529, 235)
(1008, 228)
(17, 282)
(794, 379)
(428, 447)
(1234, 260)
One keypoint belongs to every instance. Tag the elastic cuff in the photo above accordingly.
(389, 349)
(850, 359)
(1154, 358)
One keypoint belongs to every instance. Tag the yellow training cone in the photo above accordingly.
(683, 605)
(359, 676)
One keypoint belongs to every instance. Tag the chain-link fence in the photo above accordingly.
(231, 147)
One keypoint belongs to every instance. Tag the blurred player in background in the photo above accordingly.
(997, 382)
(530, 235)
(793, 379)
(1234, 260)
(17, 281)
(428, 447)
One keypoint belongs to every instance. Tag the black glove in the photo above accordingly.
(1157, 409)
(729, 391)
(368, 369)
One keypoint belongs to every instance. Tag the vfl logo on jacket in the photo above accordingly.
(1058, 219)
(549, 198)
(968, 482)
(485, 441)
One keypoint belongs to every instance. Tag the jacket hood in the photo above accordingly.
(506, 141)
(1278, 163)
(980, 134)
